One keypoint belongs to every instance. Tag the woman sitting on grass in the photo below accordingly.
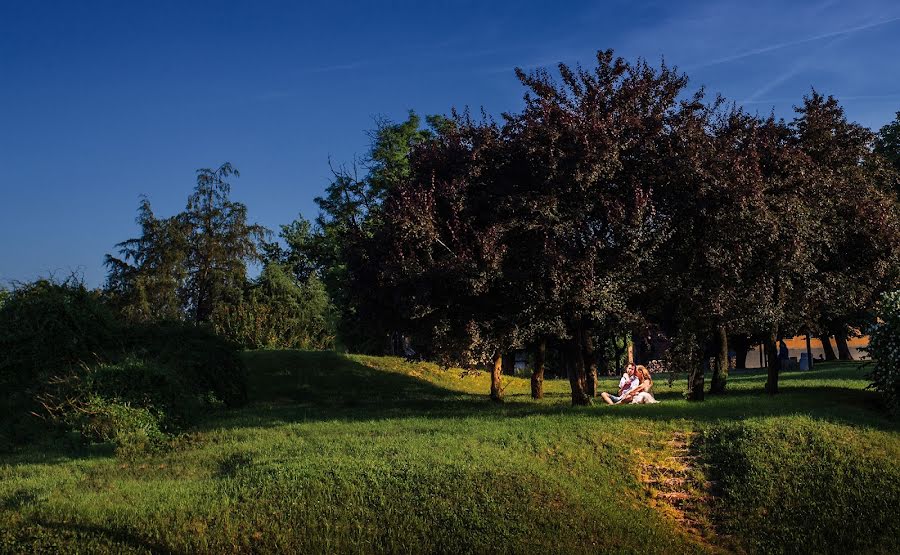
(640, 394)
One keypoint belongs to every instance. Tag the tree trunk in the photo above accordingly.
(773, 361)
(496, 391)
(843, 349)
(590, 363)
(809, 358)
(577, 374)
(537, 375)
(639, 349)
(720, 371)
(697, 377)
(826, 346)
(740, 359)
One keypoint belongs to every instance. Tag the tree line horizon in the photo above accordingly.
(614, 207)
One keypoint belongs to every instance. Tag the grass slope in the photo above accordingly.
(368, 454)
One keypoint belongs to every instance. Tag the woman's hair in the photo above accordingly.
(643, 373)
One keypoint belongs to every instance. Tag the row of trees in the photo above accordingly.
(614, 204)
(616, 201)
(193, 267)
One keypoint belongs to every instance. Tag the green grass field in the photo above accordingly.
(365, 454)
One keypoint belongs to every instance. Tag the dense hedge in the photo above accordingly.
(813, 486)
(67, 364)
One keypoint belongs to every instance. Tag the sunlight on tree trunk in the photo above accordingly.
(537, 375)
(844, 352)
(496, 371)
(590, 363)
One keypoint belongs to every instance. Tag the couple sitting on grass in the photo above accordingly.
(634, 387)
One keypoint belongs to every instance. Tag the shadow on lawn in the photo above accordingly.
(111, 540)
(292, 386)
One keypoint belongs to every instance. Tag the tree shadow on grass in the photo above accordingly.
(293, 386)
(88, 537)
(56, 450)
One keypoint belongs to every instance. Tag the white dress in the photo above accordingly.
(643, 397)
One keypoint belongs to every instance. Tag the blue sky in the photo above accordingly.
(101, 102)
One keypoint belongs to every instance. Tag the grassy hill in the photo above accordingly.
(366, 454)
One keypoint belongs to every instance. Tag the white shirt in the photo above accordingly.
(627, 383)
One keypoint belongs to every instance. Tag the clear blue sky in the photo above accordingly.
(101, 102)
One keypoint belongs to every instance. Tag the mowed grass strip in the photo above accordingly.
(373, 454)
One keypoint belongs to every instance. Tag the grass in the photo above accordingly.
(369, 454)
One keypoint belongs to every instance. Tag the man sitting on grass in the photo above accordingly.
(628, 382)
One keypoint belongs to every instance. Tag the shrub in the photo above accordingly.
(142, 383)
(279, 312)
(207, 364)
(884, 348)
(131, 429)
(65, 358)
(48, 330)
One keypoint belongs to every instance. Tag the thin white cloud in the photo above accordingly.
(842, 98)
(779, 46)
(802, 64)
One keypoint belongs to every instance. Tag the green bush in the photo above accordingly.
(814, 487)
(131, 429)
(280, 313)
(66, 362)
(208, 364)
(884, 348)
(156, 387)
(48, 332)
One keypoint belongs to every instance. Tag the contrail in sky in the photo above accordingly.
(780, 45)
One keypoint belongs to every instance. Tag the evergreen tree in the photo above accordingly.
(221, 243)
(147, 281)
(189, 266)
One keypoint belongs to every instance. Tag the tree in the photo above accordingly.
(859, 225)
(583, 167)
(887, 145)
(277, 311)
(529, 232)
(221, 244)
(350, 214)
(147, 282)
(714, 273)
(287, 305)
(299, 256)
(192, 265)
(445, 250)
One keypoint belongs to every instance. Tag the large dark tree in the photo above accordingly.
(350, 215)
(858, 223)
(577, 195)
(444, 250)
